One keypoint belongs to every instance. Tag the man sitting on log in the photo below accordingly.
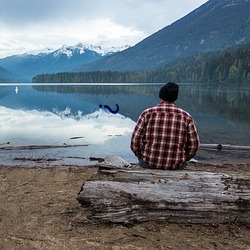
(165, 136)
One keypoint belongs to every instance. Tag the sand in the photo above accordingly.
(39, 210)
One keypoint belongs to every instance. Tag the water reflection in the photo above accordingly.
(226, 101)
(100, 131)
(43, 127)
(54, 114)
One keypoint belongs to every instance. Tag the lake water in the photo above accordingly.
(56, 114)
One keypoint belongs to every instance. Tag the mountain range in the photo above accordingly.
(214, 26)
(7, 76)
(64, 59)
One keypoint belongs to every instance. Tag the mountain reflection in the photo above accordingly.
(58, 114)
(31, 127)
(132, 99)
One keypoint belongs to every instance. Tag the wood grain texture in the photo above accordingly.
(119, 195)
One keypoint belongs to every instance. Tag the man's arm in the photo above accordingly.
(138, 136)
(193, 141)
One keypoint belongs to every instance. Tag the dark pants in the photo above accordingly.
(145, 165)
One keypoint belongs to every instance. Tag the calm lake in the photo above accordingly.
(56, 114)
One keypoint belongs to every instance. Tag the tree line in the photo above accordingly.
(231, 66)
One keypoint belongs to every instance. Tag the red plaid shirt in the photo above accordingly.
(165, 136)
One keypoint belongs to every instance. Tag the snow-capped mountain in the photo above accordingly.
(81, 48)
(64, 59)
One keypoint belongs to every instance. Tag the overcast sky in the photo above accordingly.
(27, 25)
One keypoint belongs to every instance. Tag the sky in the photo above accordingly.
(33, 25)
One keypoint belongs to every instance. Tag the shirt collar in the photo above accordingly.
(166, 104)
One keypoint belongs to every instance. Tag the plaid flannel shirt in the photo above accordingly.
(165, 136)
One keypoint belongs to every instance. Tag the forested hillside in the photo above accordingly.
(231, 66)
(214, 26)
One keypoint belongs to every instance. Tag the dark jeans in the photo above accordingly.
(145, 165)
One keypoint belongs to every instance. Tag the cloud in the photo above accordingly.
(34, 127)
(38, 36)
(29, 24)
(140, 14)
(22, 12)
(101, 131)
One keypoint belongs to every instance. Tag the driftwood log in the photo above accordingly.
(120, 195)
(224, 147)
(29, 147)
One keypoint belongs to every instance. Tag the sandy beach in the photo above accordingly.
(39, 210)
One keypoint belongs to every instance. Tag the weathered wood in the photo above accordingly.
(119, 195)
(29, 147)
(113, 161)
(224, 147)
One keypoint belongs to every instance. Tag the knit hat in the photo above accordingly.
(169, 92)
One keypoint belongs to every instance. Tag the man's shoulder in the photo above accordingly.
(150, 110)
(184, 113)
(178, 109)
(166, 108)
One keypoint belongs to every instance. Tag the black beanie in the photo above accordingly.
(169, 92)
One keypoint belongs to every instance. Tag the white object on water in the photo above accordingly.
(16, 90)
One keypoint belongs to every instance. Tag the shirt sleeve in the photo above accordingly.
(193, 141)
(138, 136)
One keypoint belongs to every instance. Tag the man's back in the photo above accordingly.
(165, 136)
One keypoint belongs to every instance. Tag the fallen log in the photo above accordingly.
(28, 147)
(134, 195)
(224, 147)
(39, 159)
